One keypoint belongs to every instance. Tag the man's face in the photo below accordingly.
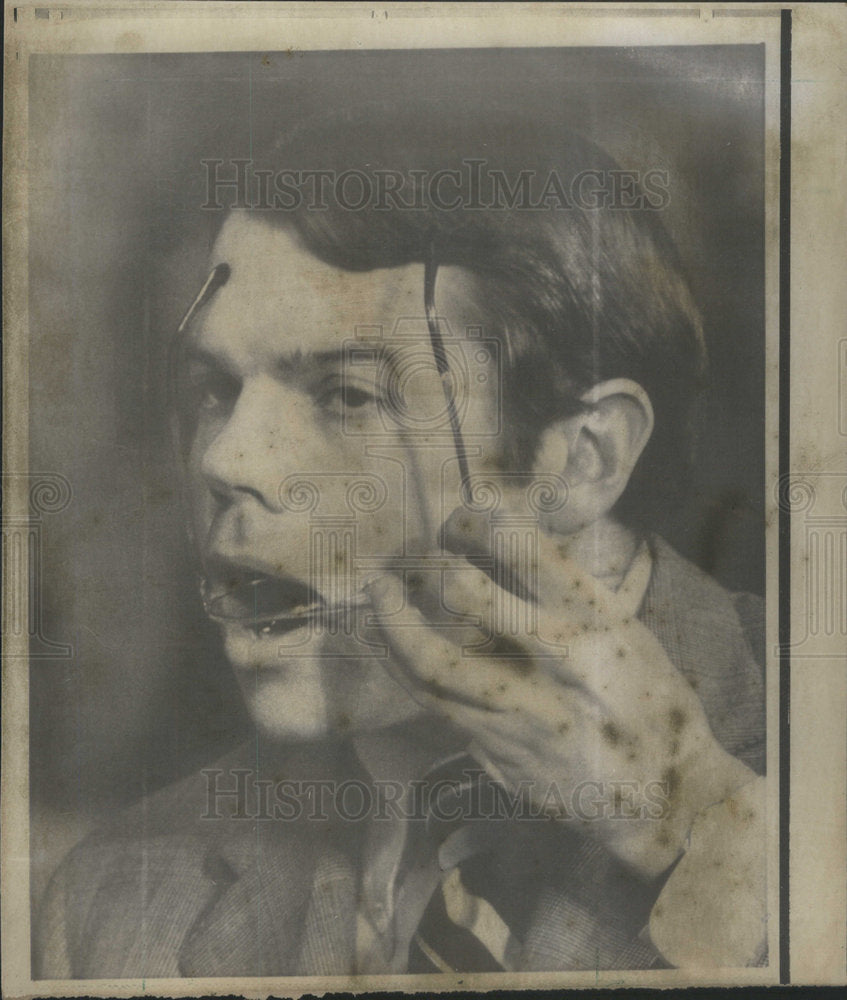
(322, 454)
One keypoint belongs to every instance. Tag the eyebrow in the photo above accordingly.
(218, 277)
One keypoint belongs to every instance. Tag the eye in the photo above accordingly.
(354, 397)
(347, 396)
(211, 389)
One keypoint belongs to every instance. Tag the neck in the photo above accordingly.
(604, 548)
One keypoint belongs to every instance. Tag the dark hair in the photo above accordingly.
(579, 294)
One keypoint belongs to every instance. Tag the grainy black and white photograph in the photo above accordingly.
(398, 509)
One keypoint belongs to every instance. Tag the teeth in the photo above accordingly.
(301, 616)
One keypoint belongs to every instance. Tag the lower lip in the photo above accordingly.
(265, 656)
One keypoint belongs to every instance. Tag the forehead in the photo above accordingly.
(281, 299)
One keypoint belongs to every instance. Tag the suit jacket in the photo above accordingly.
(163, 892)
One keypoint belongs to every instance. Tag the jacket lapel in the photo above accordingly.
(591, 915)
(253, 923)
(283, 900)
(327, 946)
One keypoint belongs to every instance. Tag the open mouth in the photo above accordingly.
(269, 605)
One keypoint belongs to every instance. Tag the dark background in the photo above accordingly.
(117, 240)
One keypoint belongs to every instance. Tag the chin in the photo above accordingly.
(282, 715)
(301, 692)
(279, 719)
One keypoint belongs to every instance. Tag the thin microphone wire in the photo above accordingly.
(501, 573)
(217, 278)
(441, 364)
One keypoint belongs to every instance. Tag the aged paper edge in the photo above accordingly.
(818, 773)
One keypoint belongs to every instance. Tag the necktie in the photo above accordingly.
(469, 922)
(461, 931)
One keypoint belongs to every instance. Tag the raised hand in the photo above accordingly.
(580, 692)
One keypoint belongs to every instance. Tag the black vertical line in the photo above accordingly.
(784, 469)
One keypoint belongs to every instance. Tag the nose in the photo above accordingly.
(263, 440)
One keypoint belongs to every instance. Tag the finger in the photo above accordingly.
(443, 677)
(580, 631)
(532, 564)
(430, 665)
(468, 533)
(467, 606)
(507, 625)
(464, 603)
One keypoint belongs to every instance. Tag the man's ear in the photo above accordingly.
(596, 450)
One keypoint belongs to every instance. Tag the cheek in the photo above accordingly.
(360, 694)
(376, 700)
(199, 443)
